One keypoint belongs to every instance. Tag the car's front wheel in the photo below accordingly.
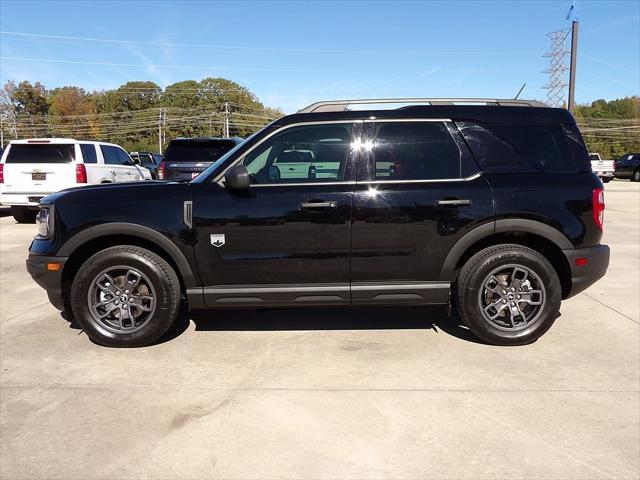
(508, 294)
(125, 296)
(606, 180)
(636, 175)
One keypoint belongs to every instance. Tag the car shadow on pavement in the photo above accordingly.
(5, 212)
(333, 318)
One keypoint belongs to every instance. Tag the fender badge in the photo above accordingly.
(217, 239)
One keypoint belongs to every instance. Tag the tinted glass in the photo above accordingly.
(415, 151)
(197, 150)
(45, 153)
(316, 153)
(123, 157)
(110, 155)
(521, 148)
(88, 153)
(578, 148)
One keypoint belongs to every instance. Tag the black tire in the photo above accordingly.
(164, 288)
(635, 176)
(24, 214)
(606, 180)
(470, 289)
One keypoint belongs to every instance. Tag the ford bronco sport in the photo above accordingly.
(488, 204)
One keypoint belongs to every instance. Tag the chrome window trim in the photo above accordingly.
(220, 177)
(430, 180)
(301, 184)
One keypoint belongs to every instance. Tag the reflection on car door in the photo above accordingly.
(285, 240)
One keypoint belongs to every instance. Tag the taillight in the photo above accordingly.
(598, 207)
(161, 171)
(81, 173)
(1, 172)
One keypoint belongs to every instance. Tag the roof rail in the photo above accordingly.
(341, 105)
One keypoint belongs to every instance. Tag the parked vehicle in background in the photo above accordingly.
(603, 168)
(32, 169)
(628, 166)
(489, 204)
(186, 158)
(148, 160)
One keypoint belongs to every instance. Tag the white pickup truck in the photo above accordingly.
(603, 168)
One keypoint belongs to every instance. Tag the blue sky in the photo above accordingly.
(293, 53)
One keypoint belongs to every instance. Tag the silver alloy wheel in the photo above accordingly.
(512, 297)
(121, 299)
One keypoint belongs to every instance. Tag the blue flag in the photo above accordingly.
(572, 10)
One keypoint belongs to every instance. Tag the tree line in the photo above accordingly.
(132, 114)
(611, 128)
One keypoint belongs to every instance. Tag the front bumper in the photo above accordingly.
(50, 280)
(583, 276)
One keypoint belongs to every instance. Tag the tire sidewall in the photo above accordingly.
(474, 286)
(161, 319)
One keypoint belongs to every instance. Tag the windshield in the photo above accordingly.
(223, 159)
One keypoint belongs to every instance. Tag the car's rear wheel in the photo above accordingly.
(508, 295)
(24, 214)
(125, 296)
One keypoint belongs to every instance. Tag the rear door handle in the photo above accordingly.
(314, 205)
(454, 202)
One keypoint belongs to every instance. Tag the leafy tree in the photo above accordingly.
(71, 107)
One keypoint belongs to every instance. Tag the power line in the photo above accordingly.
(264, 49)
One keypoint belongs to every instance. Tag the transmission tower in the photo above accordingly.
(557, 79)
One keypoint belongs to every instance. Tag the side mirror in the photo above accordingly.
(237, 178)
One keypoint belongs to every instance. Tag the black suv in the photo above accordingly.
(492, 207)
(628, 166)
(186, 158)
(148, 160)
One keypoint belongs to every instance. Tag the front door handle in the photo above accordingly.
(454, 202)
(315, 205)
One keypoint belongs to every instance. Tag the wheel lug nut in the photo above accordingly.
(513, 304)
(504, 301)
(118, 292)
(126, 291)
(504, 292)
(513, 289)
(518, 297)
(131, 300)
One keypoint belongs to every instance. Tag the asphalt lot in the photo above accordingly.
(338, 393)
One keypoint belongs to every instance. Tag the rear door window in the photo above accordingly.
(198, 151)
(88, 153)
(40, 153)
(110, 155)
(415, 151)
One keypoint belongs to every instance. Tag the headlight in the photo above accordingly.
(44, 222)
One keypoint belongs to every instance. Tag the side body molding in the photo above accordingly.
(500, 226)
(146, 233)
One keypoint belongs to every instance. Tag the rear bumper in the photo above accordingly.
(51, 281)
(582, 277)
(22, 199)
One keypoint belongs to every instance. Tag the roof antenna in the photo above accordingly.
(520, 91)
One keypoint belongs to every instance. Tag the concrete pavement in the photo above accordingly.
(338, 393)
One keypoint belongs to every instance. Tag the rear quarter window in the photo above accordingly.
(40, 153)
(88, 153)
(519, 148)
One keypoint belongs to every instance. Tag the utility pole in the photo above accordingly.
(162, 122)
(210, 131)
(572, 67)
(1, 131)
(226, 119)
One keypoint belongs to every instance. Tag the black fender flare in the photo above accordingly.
(500, 226)
(134, 230)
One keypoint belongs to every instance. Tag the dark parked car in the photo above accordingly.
(150, 161)
(491, 207)
(186, 158)
(628, 166)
